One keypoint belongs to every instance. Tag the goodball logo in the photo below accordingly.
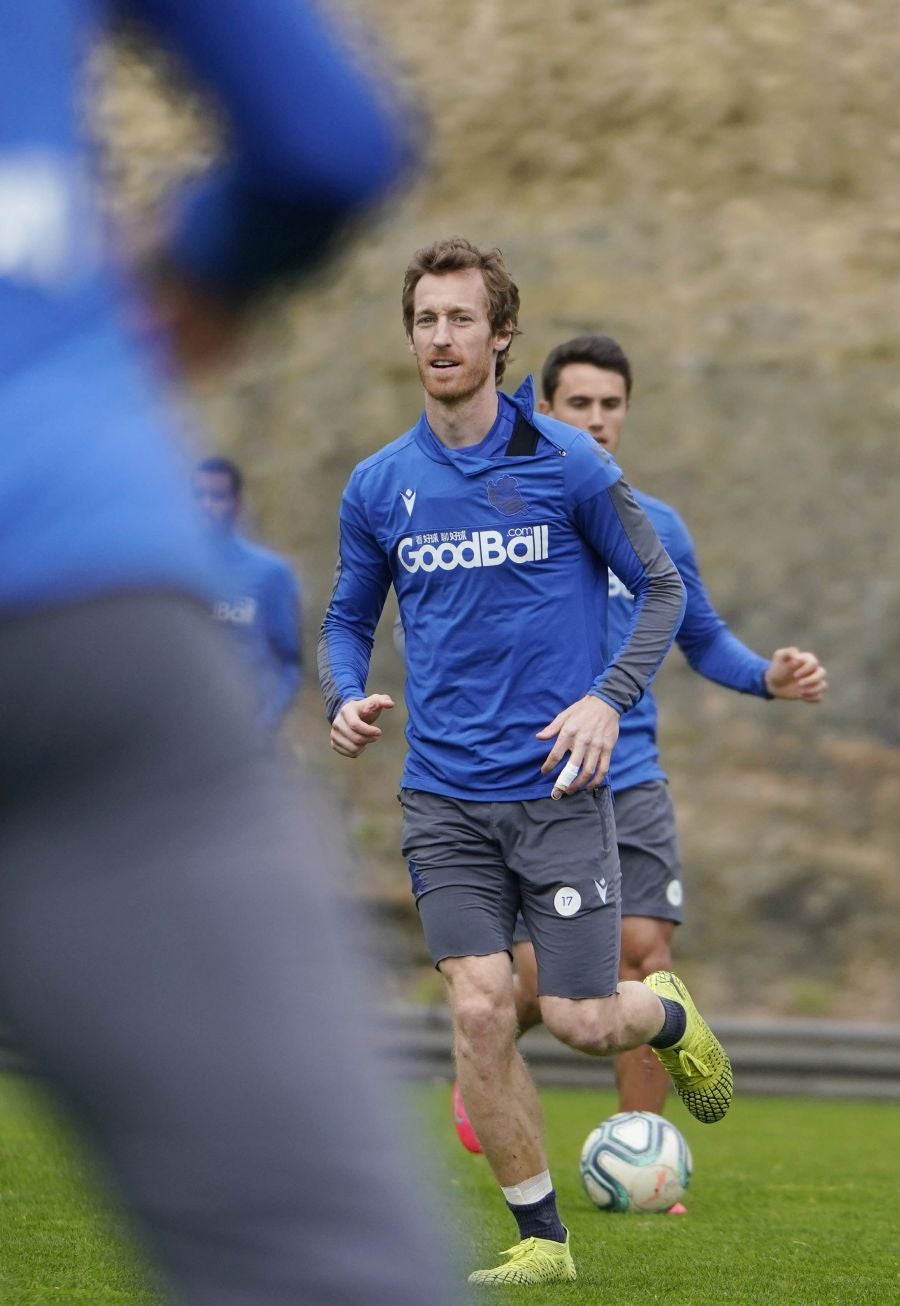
(483, 549)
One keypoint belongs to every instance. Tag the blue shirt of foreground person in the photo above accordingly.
(257, 595)
(92, 492)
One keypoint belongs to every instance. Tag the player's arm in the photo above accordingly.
(348, 632)
(282, 623)
(715, 652)
(312, 142)
(622, 535)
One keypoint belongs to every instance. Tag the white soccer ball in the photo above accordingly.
(635, 1161)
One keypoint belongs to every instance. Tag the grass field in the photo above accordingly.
(60, 1241)
(792, 1202)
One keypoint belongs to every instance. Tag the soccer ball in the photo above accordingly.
(635, 1161)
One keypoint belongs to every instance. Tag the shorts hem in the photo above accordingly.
(490, 952)
(653, 916)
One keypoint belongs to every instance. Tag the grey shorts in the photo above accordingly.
(648, 853)
(473, 865)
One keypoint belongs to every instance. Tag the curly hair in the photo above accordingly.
(456, 255)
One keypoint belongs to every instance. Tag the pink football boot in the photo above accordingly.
(462, 1123)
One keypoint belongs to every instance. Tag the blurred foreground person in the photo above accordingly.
(257, 595)
(169, 949)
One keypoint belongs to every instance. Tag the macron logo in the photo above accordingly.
(409, 500)
(601, 888)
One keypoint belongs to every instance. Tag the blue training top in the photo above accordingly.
(703, 637)
(92, 499)
(258, 600)
(499, 556)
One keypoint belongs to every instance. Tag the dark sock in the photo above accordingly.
(673, 1025)
(540, 1219)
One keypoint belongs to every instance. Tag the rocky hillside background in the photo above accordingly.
(718, 186)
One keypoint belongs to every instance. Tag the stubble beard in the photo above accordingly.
(470, 380)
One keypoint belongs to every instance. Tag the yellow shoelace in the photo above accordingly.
(691, 1065)
(528, 1247)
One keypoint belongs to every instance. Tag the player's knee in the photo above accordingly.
(638, 968)
(644, 954)
(481, 1024)
(581, 1027)
(658, 957)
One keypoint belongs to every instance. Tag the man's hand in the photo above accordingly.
(587, 731)
(796, 675)
(354, 726)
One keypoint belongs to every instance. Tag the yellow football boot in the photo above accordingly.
(534, 1260)
(697, 1063)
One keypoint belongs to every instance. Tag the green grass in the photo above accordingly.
(792, 1202)
(60, 1239)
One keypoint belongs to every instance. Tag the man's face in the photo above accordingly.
(452, 339)
(218, 504)
(593, 399)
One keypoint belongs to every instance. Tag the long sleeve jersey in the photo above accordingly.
(703, 637)
(93, 495)
(257, 599)
(499, 554)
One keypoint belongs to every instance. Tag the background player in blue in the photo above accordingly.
(167, 907)
(587, 381)
(257, 596)
(496, 527)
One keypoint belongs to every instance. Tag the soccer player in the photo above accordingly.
(170, 949)
(257, 596)
(496, 526)
(587, 382)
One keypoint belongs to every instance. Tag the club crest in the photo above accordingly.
(505, 496)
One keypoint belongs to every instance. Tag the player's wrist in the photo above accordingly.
(616, 707)
(341, 704)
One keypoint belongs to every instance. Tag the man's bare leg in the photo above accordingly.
(525, 987)
(498, 1091)
(641, 1080)
(602, 1027)
(503, 1105)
